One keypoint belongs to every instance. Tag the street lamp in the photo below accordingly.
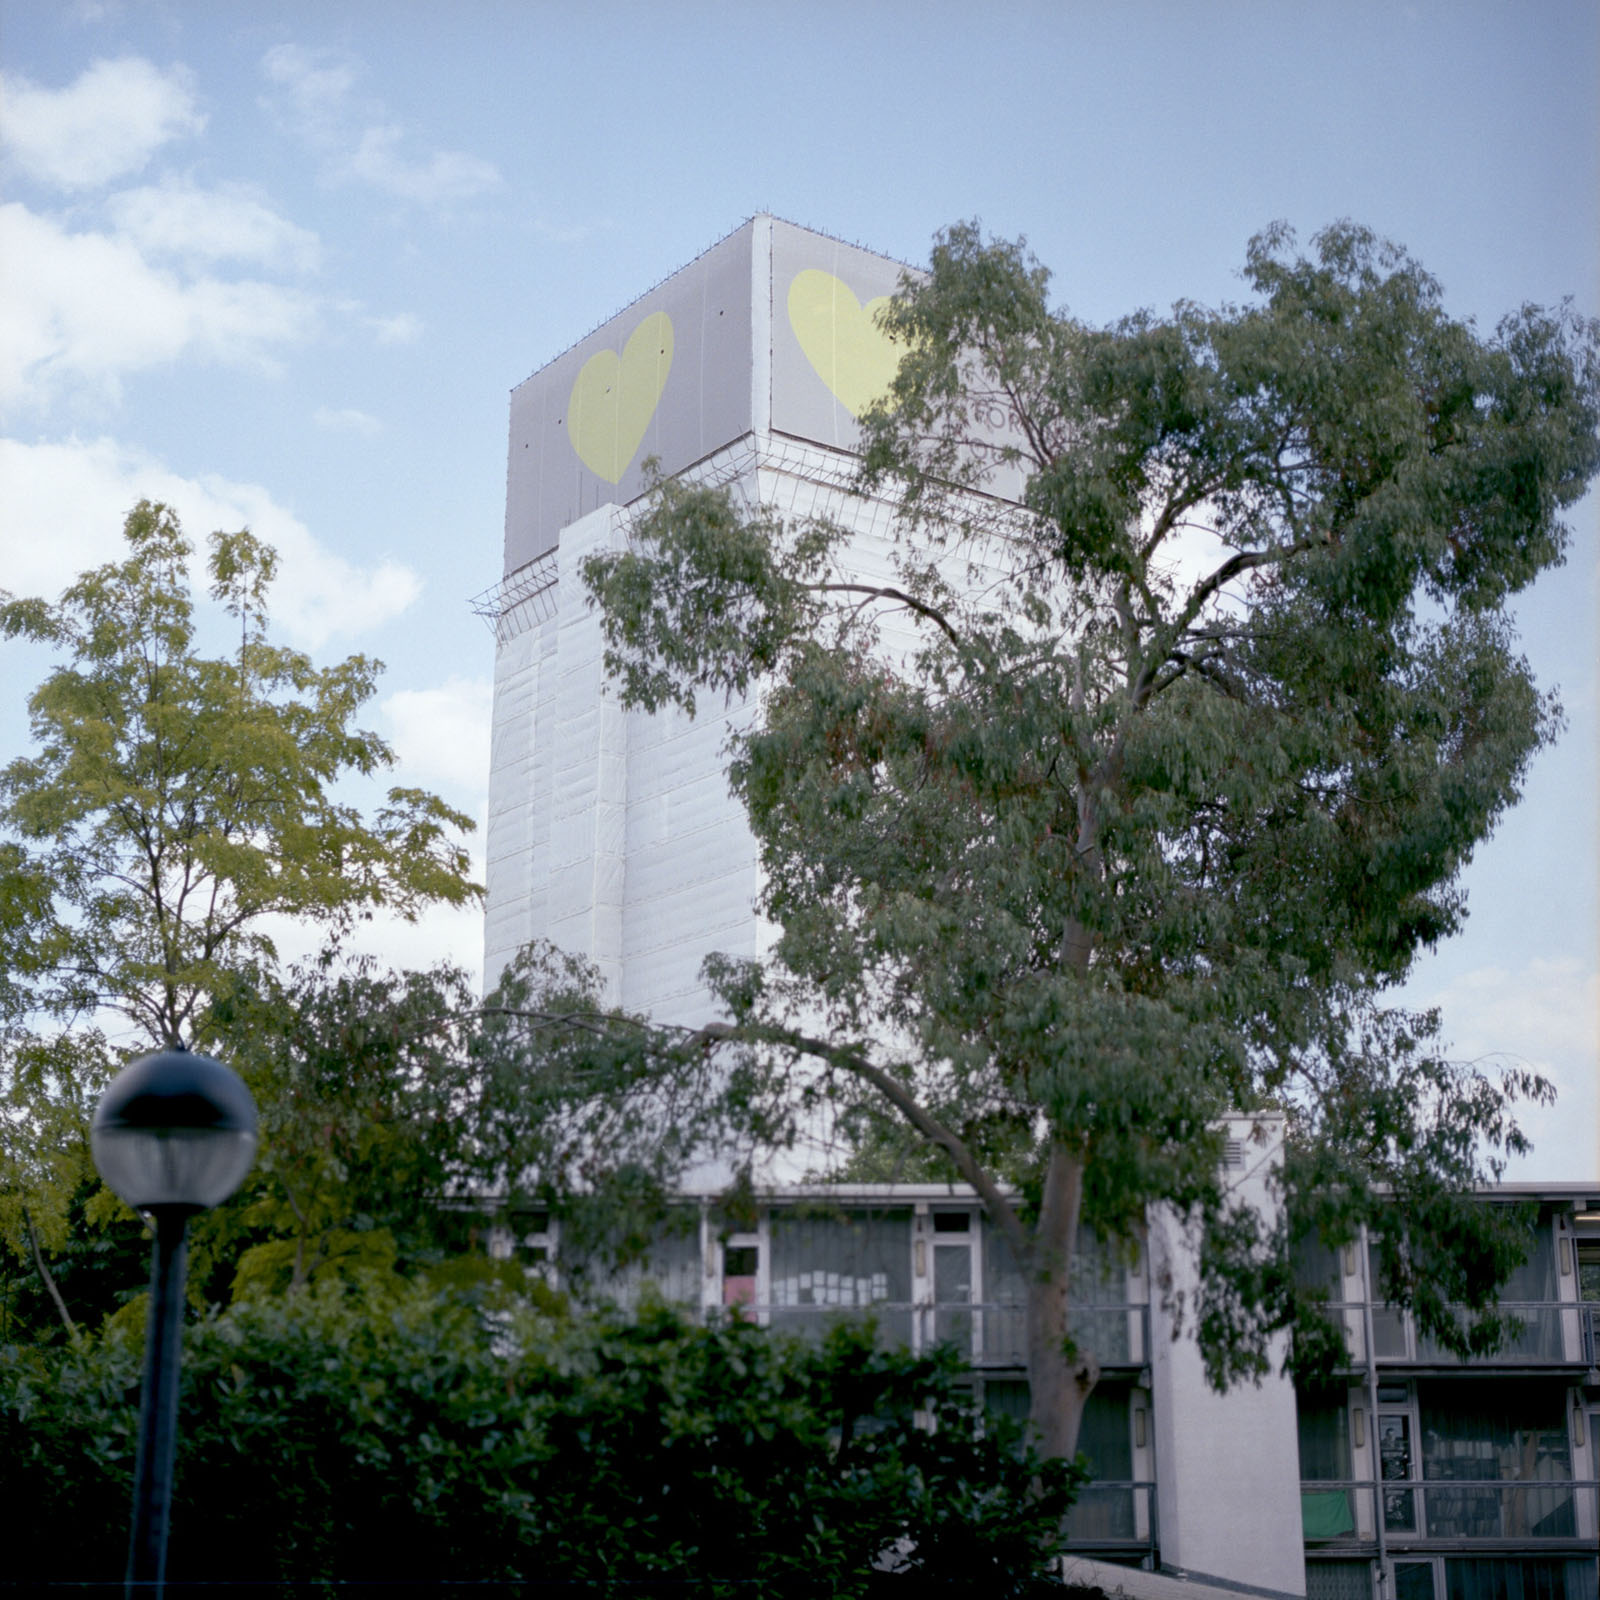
(174, 1134)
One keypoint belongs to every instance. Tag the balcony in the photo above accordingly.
(1536, 1513)
(1555, 1333)
(987, 1334)
(1119, 1516)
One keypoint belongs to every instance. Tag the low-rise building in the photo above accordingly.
(1414, 1476)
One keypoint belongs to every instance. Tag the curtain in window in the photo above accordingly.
(1098, 1290)
(1477, 1436)
(1316, 1266)
(1535, 1279)
(670, 1262)
(1324, 1440)
(1518, 1578)
(1105, 1507)
(1007, 1397)
(1507, 1430)
(1338, 1580)
(1324, 1458)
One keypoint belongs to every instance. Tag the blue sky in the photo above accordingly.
(283, 264)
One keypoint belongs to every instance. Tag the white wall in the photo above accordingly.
(612, 834)
(1227, 1465)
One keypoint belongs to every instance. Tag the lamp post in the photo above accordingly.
(173, 1135)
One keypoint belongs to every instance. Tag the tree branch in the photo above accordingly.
(884, 592)
(1000, 1210)
(49, 1282)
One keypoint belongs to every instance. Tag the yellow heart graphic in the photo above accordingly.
(614, 397)
(850, 352)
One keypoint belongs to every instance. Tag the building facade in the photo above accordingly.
(1415, 1475)
(613, 834)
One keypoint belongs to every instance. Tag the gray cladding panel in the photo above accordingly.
(829, 358)
(669, 377)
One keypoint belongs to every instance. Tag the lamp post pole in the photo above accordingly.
(158, 1407)
(174, 1134)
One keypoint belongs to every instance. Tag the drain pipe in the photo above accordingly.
(1384, 1586)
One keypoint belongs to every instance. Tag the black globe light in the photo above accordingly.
(174, 1134)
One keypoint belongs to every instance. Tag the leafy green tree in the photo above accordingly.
(174, 804)
(1177, 779)
(368, 1093)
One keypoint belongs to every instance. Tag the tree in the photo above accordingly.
(1178, 778)
(176, 802)
(365, 1087)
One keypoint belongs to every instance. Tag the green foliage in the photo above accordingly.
(448, 1439)
(174, 803)
(1170, 772)
(364, 1089)
(176, 799)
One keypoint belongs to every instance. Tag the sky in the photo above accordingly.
(280, 266)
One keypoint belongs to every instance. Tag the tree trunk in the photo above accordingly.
(49, 1282)
(1059, 1376)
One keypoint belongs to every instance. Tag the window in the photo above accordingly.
(952, 1284)
(1316, 1266)
(1105, 1507)
(1397, 1467)
(1324, 1424)
(741, 1272)
(1519, 1578)
(1535, 1281)
(1413, 1580)
(1493, 1578)
(1589, 1273)
(617, 1269)
(1099, 1298)
(1476, 1437)
(1007, 1397)
(1341, 1580)
(824, 1264)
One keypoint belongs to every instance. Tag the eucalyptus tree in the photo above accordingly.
(174, 805)
(1198, 732)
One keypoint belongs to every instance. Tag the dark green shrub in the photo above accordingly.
(438, 1442)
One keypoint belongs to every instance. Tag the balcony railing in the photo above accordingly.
(995, 1334)
(1527, 1511)
(987, 1333)
(1554, 1333)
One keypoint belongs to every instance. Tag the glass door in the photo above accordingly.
(952, 1280)
(1397, 1461)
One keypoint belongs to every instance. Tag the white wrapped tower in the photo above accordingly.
(613, 833)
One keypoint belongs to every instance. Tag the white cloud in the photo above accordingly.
(402, 328)
(313, 94)
(441, 933)
(440, 738)
(442, 735)
(199, 226)
(445, 175)
(1545, 1015)
(347, 420)
(85, 309)
(65, 504)
(106, 124)
(570, 233)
